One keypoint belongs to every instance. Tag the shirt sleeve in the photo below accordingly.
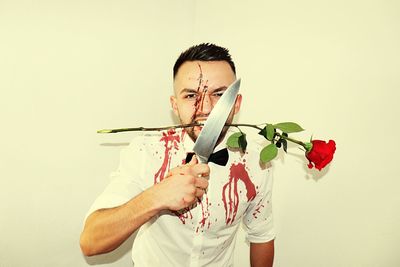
(258, 219)
(125, 181)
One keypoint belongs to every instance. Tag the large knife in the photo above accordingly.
(215, 122)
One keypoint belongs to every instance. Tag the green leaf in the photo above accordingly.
(242, 142)
(268, 153)
(288, 127)
(233, 140)
(268, 132)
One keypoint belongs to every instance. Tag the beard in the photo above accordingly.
(190, 130)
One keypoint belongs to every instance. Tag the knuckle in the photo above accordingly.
(192, 190)
(203, 182)
(190, 198)
(189, 179)
(199, 192)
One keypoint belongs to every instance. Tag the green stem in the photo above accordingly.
(139, 129)
(245, 125)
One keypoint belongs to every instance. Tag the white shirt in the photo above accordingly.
(204, 235)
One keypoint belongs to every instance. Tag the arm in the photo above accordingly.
(262, 254)
(106, 229)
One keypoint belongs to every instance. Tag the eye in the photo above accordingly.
(218, 94)
(190, 96)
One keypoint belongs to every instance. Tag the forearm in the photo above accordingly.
(107, 229)
(262, 254)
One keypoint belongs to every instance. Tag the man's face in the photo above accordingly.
(198, 86)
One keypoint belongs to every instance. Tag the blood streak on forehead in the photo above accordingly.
(201, 93)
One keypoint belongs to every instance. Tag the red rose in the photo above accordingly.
(321, 153)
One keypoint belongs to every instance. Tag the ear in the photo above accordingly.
(174, 106)
(238, 102)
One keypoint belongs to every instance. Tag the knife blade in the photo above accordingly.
(215, 122)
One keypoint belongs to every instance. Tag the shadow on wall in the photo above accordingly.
(313, 173)
(114, 144)
(113, 256)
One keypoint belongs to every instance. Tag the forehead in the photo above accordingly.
(195, 74)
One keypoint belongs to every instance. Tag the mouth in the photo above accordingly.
(201, 121)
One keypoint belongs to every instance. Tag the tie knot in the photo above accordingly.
(220, 157)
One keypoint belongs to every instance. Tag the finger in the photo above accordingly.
(201, 183)
(199, 192)
(193, 161)
(189, 199)
(200, 170)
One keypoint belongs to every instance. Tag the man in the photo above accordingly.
(187, 213)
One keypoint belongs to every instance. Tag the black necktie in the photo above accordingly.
(220, 157)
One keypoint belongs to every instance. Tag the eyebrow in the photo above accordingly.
(194, 91)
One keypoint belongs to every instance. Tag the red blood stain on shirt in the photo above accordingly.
(257, 208)
(184, 215)
(205, 212)
(171, 140)
(230, 195)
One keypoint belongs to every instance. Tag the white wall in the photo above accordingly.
(69, 68)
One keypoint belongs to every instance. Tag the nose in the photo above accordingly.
(205, 106)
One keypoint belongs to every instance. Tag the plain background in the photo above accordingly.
(70, 68)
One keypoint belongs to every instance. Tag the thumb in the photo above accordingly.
(193, 160)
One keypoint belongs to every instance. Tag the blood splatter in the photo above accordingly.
(205, 212)
(184, 215)
(230, 196)
(257, 209)
(171, 140)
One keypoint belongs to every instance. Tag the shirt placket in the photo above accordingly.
(200, 230)
(198, 241)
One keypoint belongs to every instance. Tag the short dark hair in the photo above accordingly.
(204, 52)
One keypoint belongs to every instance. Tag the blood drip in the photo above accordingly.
(171, 140)
(200, 97)
(184, 215)
(205, 212)
(230, 195)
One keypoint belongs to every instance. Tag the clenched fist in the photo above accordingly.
(183, 185)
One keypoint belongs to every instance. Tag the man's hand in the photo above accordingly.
(183, 185)
(106, 229)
